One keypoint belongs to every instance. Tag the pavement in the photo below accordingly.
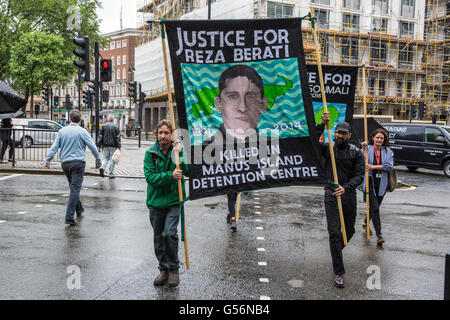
(129, 166)
(280, 251)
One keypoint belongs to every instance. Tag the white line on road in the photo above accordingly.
(261, 249)
(259, 228)
(263, 279)
(262, 263)
(259, 238)
(9, 177)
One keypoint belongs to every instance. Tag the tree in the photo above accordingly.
(46, 16)
(37, 60)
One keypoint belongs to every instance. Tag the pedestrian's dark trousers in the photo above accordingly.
(374, 211)
(5, 143)
(165, 237)
(74, 171)
(334, 226)
(231, 197)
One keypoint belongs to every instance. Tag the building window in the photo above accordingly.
(405, 58)
(349, 51)
(371, 88)
(124, 43)
(409, 90)
(112, 45)
(350, 22)
(112, 60)
(407, 8)
(323, 18)
(118, 60)
(118, 75)
(380, 6)
(124, 74)
(119, 44)
(124, 59)
(399, 88)
(327, 2)
(118, 90)
(381, 87)
(352, 4)
(406, 29)
(379, 25)
(278, 10)
(377, 53)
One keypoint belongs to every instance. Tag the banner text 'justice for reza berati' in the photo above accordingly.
(268, 44)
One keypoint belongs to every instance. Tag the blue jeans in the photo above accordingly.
(74, 171)
(107, 157)
(165, 237)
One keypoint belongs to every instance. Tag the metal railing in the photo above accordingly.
(28, 144)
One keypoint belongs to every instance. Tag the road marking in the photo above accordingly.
(264, 280)
(262, 263)
(259, 228)
(264, 298)
(259, 238)
(10, 177)
(261, 249)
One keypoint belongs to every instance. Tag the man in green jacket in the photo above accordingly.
(163, 201)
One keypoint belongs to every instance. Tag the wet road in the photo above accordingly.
(280, 250)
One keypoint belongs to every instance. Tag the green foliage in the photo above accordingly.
(51, 17)
(37, 59)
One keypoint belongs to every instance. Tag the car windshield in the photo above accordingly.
(447, 130)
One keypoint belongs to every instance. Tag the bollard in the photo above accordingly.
(447, 278)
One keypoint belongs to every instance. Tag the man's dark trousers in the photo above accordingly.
(334, 225)
(165, 237)
(74, 171)
(231, 197)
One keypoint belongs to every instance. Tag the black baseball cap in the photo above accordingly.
(343, 126)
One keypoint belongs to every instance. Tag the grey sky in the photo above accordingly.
(110, 15)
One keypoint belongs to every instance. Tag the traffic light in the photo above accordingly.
(56, 101)
(83, 54)
(132, 93)
(45, 94)
(414, 112)
(86, 97)
(106, 70)
(68, 103)
(105, 96)
(421, 111)
(37, 108)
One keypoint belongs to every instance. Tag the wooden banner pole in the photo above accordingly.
(366, 154)
(238, 206)
(172, 118)
(324, 101)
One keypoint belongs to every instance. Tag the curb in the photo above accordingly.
(57, 172)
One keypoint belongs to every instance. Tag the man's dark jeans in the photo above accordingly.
(334, 226)
(74, 171)
(165, 237)
(231, 197)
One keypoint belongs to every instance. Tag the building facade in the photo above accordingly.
(405, 41)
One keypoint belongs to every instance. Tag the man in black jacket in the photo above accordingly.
(109, 139)
(350, 171)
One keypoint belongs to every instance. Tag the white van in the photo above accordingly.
(36, 131)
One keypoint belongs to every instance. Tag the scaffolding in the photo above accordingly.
(411, 65)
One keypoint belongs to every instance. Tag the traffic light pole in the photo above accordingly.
(51, 104)
(97, 89)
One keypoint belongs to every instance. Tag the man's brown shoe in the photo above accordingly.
(161, 279)
(174, 279)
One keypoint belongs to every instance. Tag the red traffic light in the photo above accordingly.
(105, 64)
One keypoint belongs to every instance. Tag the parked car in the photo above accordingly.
(36, 131)
(420, 145)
